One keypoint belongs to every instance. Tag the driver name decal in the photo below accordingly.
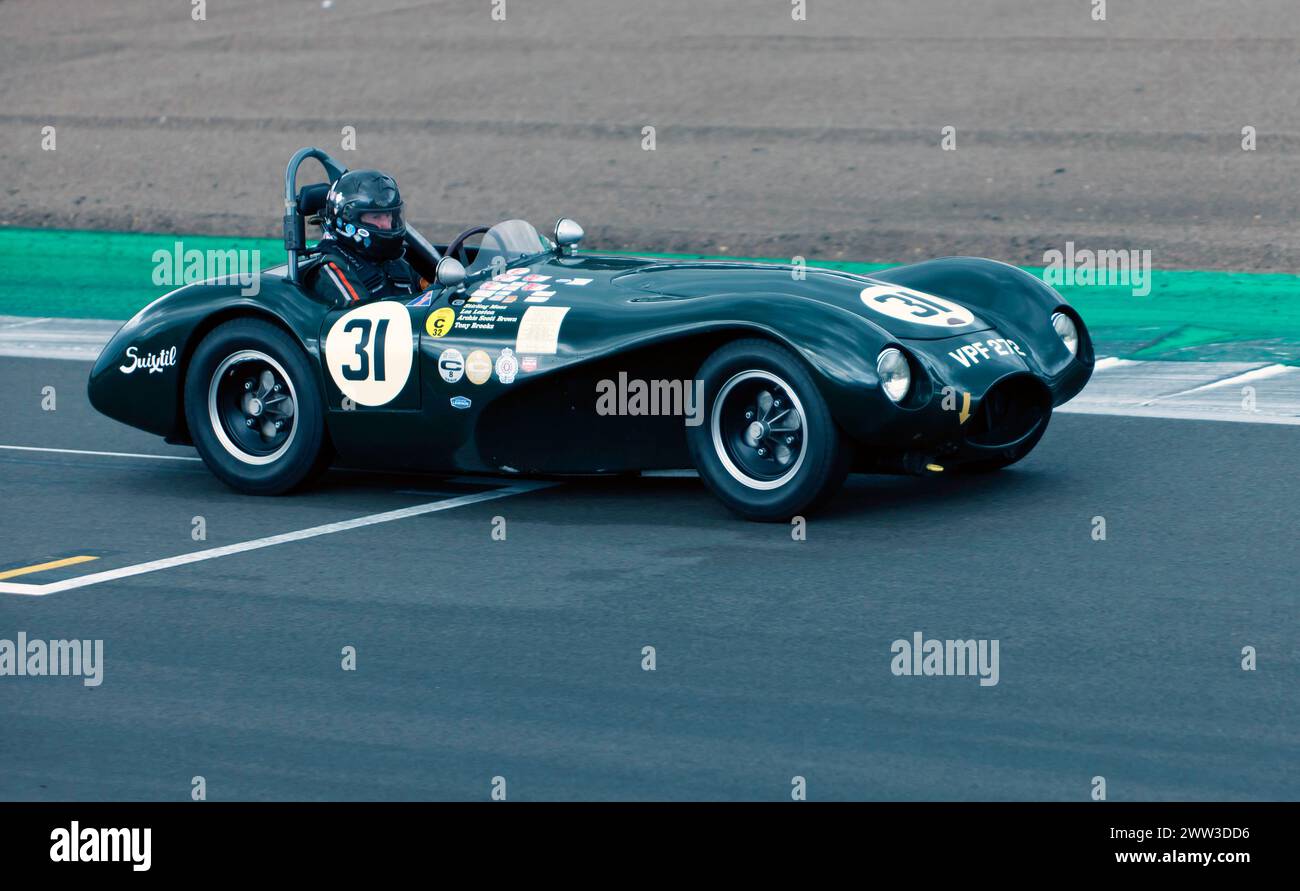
(478, 317)
(368, 352)
(916, 307)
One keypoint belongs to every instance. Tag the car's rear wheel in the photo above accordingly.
(254, 408)
(767, 446)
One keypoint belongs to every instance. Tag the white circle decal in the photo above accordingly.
(917, 307)
(368, 352)
(451, 365)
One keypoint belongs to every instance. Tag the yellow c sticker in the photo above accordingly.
(439, 321)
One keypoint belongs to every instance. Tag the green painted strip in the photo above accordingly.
(1188, 314)
(96, 275)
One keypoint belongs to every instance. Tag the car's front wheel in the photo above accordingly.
(767, 445)
(254, 408)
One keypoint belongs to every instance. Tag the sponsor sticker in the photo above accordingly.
(916, 307)
(425, 299)
(478, 367)
(451, 365)
(507, 366)
(539, 329)
(154, 362)
(576, 282)
(439, 321)
(527, 364)
(460, 402)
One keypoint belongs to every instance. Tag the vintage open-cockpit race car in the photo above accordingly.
(526, 356)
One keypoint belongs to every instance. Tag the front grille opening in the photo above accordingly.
(1012, 409)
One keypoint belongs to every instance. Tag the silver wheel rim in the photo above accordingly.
(719, 440)
(214, 410)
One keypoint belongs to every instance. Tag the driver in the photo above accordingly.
(363, 242)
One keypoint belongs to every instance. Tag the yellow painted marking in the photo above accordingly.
(934, 468)
(42, 567)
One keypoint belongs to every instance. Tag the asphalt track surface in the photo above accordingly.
(774, 137)
(522, 658)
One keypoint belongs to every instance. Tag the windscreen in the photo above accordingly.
(508, 241)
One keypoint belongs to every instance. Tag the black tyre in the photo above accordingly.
(767, 446)
(255, 409)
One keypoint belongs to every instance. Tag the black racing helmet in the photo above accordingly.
(363, 212)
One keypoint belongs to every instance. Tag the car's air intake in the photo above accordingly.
(1011, 410)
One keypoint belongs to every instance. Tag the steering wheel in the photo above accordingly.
(457, 247)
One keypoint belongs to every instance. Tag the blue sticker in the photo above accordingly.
(459, 402)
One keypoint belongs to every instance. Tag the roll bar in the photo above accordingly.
(295, 228)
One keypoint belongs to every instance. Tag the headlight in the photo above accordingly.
(895, 374)
(1064, 327)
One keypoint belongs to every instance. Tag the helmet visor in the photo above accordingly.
(382, 221)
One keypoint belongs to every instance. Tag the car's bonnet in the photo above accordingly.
(905, 313)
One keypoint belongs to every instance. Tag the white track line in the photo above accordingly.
(100, 454)
(96, 578)
(472, 479)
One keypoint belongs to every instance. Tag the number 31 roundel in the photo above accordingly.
(917, 307)
(368, 352)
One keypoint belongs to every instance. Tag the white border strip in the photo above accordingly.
(97, 578)
(9, 326)
(1175, 414)
(1257, 374)
(1106, 362)
(1106, 396)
